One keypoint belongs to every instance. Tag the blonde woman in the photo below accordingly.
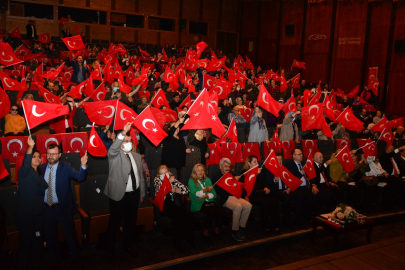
(174, 209)
(202, 195)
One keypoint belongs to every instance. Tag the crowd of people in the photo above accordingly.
(46, 198)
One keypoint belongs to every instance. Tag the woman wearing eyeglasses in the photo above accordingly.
(15, 123)
(29, 211)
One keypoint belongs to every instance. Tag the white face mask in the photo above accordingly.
(370, 159)
(127, 147)
(162, 176)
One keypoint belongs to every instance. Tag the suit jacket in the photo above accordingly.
(120, 169)
(31, 190)
(274, 186)
(401, 165)
(29, 31)
(318, 171)
(293, 168)
(76, 70)
(386, 162)
(64, 174)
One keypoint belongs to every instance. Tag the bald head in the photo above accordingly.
(318, 157)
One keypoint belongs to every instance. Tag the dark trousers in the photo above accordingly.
(212, 212)
(30, 231)
(353, 193)
(284, 198)
(304, 199)
(126, 208)
(393, 190)
(53, 216)
(268, 208)
(182, 220)
(327, 198)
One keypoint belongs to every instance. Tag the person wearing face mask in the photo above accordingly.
(116, 93)
(14, 123)
(182, 221)
(197, 148)
(125, 188)
(30, 207)
(174, 147)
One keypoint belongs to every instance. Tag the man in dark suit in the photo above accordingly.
(31, 30)
(80, 70)
(302, 195)
(326, 192)
(59, 204)
(126, 189)
(280, 191)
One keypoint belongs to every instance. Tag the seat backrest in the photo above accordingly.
(6, 181)
(326, 147)
(238, 167)
(73, 159)
(213, 170)
(8, 201)
(91, 193)
(97, 165)
(80, 119)
(152, 157)
(241, 135)
(186, 174)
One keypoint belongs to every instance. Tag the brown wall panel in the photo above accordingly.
(125, 6)
(229, 15)
(97, 32)
(191, 10)
(148, 7)
(168, 38)
(170, 8)
(148, 37)
(103, 4)
(74, 3)
(124, 34)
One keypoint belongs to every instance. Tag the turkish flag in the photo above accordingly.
(251, 149)
(141, 80)
(48, 96)
(160, 100)
(324, 126)
(75, 142)
(266, 101)
(201, 46)
(268, 146)
(275, 137)
(289, 179)
(345, 159)
(309, 146)
(100, 112)
(95, 145)
(215, 153)
(288, 147)
(249, 64)
(393, 123)
(232, 133)
(123, 115)
(231, 185)
(216, 64)
(130, 75)
(76, 29)
(233, 151)
(96, 73)
(186, 102)
(144, 94)
(111, 48)
(52, 75)
(246, 113)
(164, 57)
(15, 33)
(327, 108)
(296, 81)
(44, 38)
(4, 103)
(343, 142)
(235, 64)
(147, 124)
(221, 88)
(189, 82)
(372, 75)
(191, 65)
(77, 92)
(289, 105)
(387, 136)
(382, 124)
(7, 56)
(283, 84)
(250, 179)
(121, 49)
(271, 163)
(39, 112)
(159, 116)
(63, 20)
(3, 170)
(164, 189)
(368, 108)
(99, 93)
(241, 62)
(44, 140)
(169, 114)
(13, 147)
(316, 98)
(309, 166)
(174, 85)
(309, 116)
(203, 63)
(272, 75)
(374, 87)
(74, 43)
(350, 121)
(22, 50)
(143, 52)
(65, 76)
(306, 97)
(118, 70)
(124, 88)
(370, 149)
(354, 92)
(208, 81)
(299, 64)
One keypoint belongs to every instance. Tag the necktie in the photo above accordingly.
(324, 176)
(395, 167)
(132, 174)
(49, 197)
(306, 180)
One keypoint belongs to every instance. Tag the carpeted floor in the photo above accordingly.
(156, 248)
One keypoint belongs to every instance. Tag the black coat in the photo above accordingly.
(318, 171)
(386, 163)
(173, 151)
(29, 31)
(260, 184)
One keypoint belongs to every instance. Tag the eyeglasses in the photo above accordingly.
(298, 154)
(52, 154)
(14, 109)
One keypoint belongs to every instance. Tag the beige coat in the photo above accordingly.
(286, 132)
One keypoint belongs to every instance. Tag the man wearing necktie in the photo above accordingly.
(326, 192)
(302, 195)
(126, 189)
(59, 203)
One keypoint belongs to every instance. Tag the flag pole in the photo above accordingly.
(28, 125)
(380, 136)
(340, 151)
(115, 116)
(266, 158)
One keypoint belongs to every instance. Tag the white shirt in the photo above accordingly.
(320, 176)
(394, 164)
(33, 33)
(304, 182)
(134, 167)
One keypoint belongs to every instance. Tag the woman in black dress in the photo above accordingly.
(174, 148)
(30, 204)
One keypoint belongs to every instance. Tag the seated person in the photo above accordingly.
(14, 123)
(239, 120)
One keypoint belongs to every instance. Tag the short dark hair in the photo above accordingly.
(53, 146)
(293, 151)
(278, 154)
(176, 95)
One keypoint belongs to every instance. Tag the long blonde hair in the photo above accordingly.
(249, 159)
(194, 173)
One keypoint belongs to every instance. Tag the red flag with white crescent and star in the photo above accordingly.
(100, 112)
(15, 33)
(44, 140)
(343, 142)
(309, 166)
(48, 96)
(387, 136)
(160, 99)
(95, 145)
(5, 103)
(13, 147)
(298, 64)
(271, 164)
(147, 124)
(232, 133)
(99, 93)
(246, 113)
(345, 159)
(266, 101)
(44, 38)
(250, 179)
(231, 185)
(164, 189)
(77, 92)
(251, 149)
(208, 81)
(290, 105)
(75, 142)
(275, 137)
(288, 147)
(186, 102)
(381, 125)
(123, 115)
(289, 179)
(74, 43)
(309, 146)
(215, 153)
(37, 112)
(10, 84)
(233, 151)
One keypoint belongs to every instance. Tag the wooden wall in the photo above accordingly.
(208, 11)
(339, 41)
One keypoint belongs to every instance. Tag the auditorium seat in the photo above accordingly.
(97, 165)
(95, 205)
(271, 131)
(8, 201)
(238, 168)
(6, 181)
(213, 170)
(327, 148)
(241, 135)
(73, 159)
(152, 157)
(145, 141)
(80, 119)
(186, 174)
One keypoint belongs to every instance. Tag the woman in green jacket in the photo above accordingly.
(202, 195)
